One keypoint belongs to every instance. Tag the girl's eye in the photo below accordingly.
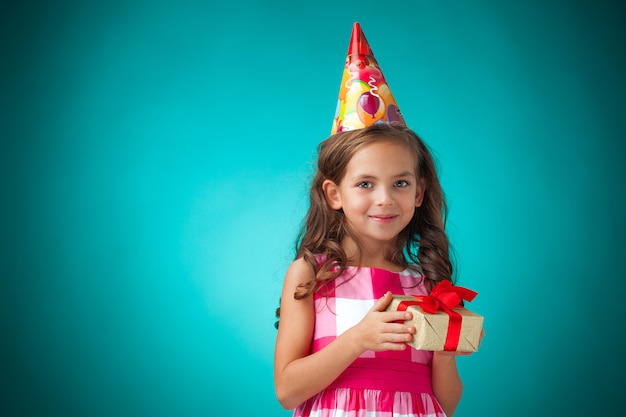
(364, 184)
(401, 183)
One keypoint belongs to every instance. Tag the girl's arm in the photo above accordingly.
(298, 375)
(447, 385)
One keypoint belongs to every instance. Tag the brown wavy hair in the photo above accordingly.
(423, 241)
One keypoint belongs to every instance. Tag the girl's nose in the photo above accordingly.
(384, 196)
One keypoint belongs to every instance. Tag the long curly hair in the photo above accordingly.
(423, 241)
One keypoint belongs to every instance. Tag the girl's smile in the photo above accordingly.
(383, 218)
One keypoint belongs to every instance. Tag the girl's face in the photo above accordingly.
(378, 193)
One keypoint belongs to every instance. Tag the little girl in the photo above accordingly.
(375, 227)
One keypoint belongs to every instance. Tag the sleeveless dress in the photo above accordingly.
(376, 384)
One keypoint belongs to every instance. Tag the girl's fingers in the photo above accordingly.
(400, 328)
(398, 340)
(383, 302)
(401, 316)
(393, 346)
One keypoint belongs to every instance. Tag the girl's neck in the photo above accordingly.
(368, 257)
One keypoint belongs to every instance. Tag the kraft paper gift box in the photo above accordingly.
(435, 332)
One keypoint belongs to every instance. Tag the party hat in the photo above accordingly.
(364, 96)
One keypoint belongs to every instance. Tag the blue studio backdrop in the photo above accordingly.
(155, 159)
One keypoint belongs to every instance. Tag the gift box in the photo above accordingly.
(441, 323)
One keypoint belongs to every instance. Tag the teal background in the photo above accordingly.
(155, 158)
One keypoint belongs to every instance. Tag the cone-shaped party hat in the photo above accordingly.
(364, 96)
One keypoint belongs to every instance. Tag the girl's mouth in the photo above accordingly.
(383, 218)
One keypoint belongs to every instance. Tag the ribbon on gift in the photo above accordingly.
(444, 297)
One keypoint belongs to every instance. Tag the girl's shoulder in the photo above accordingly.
(300, 265)
(298, 272)
(413, 277)
(414, 270)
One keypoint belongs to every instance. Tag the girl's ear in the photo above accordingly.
(419, 196)
(331, 192)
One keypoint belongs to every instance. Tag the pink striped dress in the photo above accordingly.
(381, 384)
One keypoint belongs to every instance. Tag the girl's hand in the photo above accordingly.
(446, 353)
(379, 330)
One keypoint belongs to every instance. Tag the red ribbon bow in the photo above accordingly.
(444, 296)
